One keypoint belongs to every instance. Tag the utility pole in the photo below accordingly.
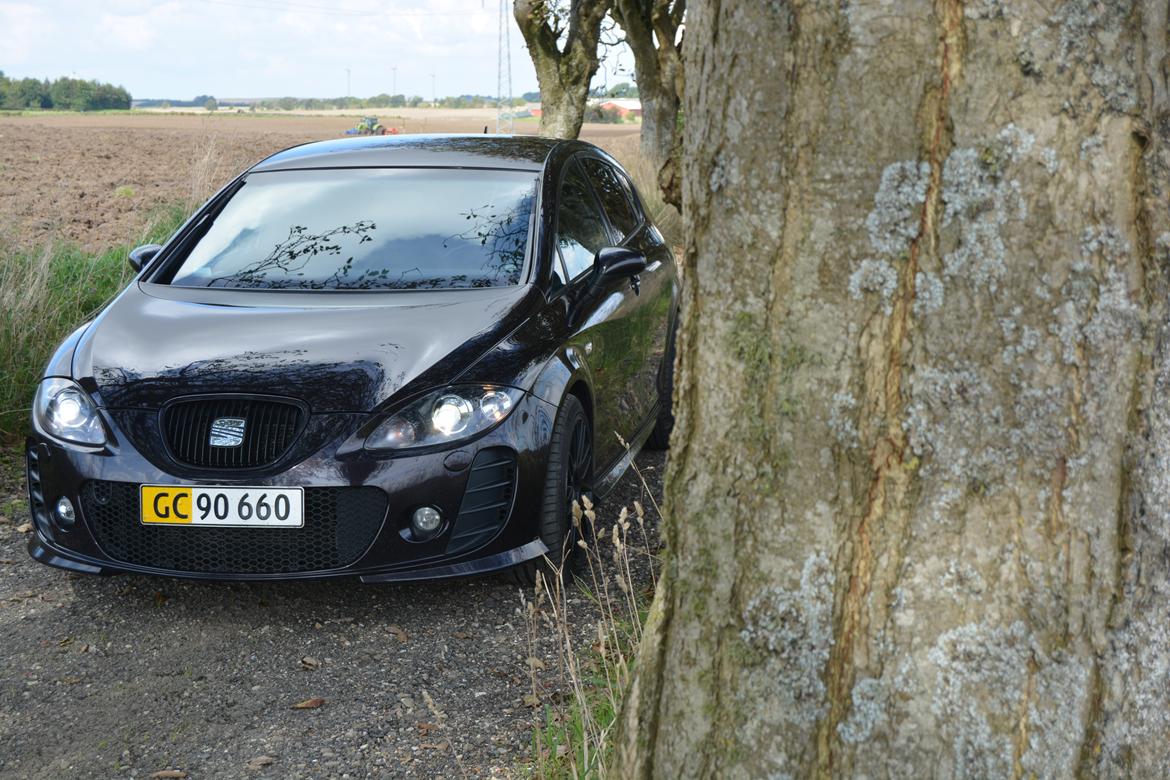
(347, 90)
(394, 82)
(434, 94)
(504, 108)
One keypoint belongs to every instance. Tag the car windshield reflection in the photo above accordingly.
(396, 229)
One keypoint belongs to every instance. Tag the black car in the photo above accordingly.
(399, 358)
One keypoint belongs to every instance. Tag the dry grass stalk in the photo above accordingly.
(595, 643)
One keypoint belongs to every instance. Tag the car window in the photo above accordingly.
(557, 279)
(628, 188)
(614, 198)
(580, 229)
(367, 229)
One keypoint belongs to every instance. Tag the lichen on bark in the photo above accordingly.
(953, 560)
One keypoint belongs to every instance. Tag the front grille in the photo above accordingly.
(340, 525)
(487, 500)
(270, 426)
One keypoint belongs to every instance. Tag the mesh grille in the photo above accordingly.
(340, 524)
(269, 429)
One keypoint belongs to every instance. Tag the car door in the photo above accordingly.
(641, 364)
(603, 320)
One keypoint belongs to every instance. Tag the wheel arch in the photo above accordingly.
(565, 374)
(579, 388)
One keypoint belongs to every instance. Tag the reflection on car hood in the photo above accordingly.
(336, 351)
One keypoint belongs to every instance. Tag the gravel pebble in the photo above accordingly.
(129, 676)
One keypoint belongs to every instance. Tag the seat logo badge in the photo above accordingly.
(227, 432)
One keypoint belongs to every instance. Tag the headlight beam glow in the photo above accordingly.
(445, 416)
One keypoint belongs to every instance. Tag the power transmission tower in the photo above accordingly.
(504, 108)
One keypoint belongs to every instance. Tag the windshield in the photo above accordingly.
(367, 229)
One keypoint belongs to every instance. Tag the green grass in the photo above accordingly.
(44, 294)
(574, 733)
(568, 746)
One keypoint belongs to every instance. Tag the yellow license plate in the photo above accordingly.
(246, 507)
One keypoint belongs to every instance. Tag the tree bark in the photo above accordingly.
(652, 33)
(918, 499)
(564, 73)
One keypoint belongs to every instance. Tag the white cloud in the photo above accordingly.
(27, 30)
(131, 33)
(264, 48)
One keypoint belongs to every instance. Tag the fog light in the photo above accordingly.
(65, 514)
(426, 520)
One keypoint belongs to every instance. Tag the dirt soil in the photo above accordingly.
(96, 179)
(126, 676)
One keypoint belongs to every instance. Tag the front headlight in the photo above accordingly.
(444, 416)
(63, 410)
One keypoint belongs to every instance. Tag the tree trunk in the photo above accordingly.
(919, 491)
(659, 119)
(564, 73)
(651, 29)
(660, 142)
(562, 108)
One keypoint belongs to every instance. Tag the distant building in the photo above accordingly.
(626, 107)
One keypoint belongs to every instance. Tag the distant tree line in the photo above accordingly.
(199, 101)
(63, 94)
(622, 90)
(379, 101)
(320, 104)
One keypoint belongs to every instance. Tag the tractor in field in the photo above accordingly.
(369, 126)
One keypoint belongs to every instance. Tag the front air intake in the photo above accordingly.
(340, 525)
(36, 494)
(487, 500)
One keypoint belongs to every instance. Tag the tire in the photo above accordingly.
(570, 471)
(659, 438)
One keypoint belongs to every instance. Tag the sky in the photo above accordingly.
(271, 48)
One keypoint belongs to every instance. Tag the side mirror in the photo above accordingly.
(140, 257)
(617, 261)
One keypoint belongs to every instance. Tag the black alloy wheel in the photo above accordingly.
(569, 476)
(580, 466)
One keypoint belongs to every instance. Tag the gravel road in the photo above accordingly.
(131, 676)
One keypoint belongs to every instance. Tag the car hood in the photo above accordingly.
(337, 351)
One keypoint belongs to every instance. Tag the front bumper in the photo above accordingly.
(487, 490)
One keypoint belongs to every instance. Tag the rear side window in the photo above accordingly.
(614, 196)
(557, 279)
(580, 229)
(367, 229)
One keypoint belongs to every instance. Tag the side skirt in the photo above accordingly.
(610, 477)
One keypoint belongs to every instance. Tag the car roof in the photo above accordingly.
(521, 152)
